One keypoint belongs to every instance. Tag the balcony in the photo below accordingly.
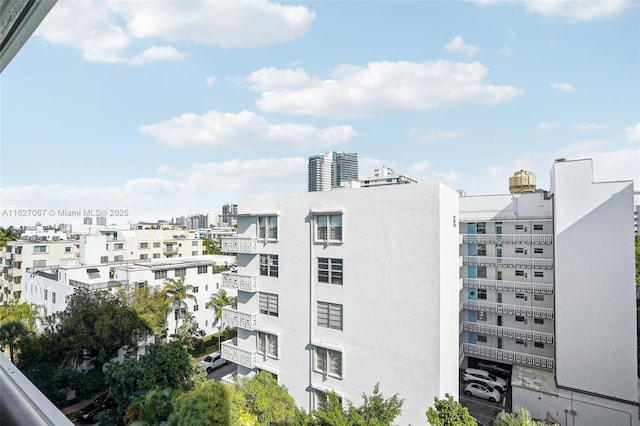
(537, 239)
(240, 281)
(235, 318)
(504, 309)
(509, 262)
(14, 272)
(512, 333)
(231, 352)
(511, 286)
(16, 257)
(246, 245)
(170, 250)
(507, 356)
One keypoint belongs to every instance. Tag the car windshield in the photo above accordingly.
(492, 377)
(208, 358)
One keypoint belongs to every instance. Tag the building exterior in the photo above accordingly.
(229, 214)
(544, 274)
(385, 176)
(337, 294)
(332, 170)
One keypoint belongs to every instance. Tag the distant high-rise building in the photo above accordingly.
(88, 220)
(230, 214)
(332, 170)
(101, 220)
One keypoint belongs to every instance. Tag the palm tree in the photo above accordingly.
(219, 300)
(10, 333)
(26, 313)
(8, 234)
(176, 292)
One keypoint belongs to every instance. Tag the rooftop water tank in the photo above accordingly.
(522, 182)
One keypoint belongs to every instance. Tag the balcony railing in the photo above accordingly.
(512, 286)
(509, 262)
(538, 239)
(507, 356)
(239, 245)
(240, 281)
(501, 308)
(512, 333)
(235, 318)
(231, 352)
(98, 285)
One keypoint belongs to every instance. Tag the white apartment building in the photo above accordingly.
(549, 292)
(337, 292)
(385, 176)
(49, 288)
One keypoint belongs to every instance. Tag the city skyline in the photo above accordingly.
(163, 110)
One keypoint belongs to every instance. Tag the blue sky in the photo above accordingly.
(169, 108)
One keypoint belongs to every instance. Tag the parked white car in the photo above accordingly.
(482, 391)
(477, 375)
(212, 361)
(494, 368)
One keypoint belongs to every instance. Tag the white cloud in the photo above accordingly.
(633, 132)
(458, 45)
(432, 135)
(562, 87)
(242, 132)
(573, 11)
(546, 126)
(210, 81)
(107, 31)
(380, 88)
(585, 127)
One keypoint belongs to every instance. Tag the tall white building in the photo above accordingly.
(338, 293)
(332, 170)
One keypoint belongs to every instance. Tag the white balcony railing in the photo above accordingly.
(537, 239)
(235, 318)
(240, 281)
(512, 333)
(509, 262)
(501, 308)
(512, 286)
(239, 245)
(231, 352)
(507, 356)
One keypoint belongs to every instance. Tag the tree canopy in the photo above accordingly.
(449, 412)
(519, 417)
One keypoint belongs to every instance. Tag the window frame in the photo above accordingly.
(328, 227)
(269, 265)
(332, 273)
(268, 227)
(266, 303)
(329, 362)
(266, 344)
(160, 275)
(330, 315)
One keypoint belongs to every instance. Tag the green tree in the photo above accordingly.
(26, 313)
(219, 300)
(8, 234)
(176, 292)
(152, 408)
(519, 417)
(268, 401)
(211, 246)
(331, 414)
(10, 333)
(149, 304)
(448, 412)
(207, 405)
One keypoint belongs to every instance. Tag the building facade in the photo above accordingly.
(331, 170)
(385, 176)
(337, 294)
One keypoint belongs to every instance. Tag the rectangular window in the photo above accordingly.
(118, 258)
(538, 321)
(481, 228)
(269, 265)
(156, 245)
(39, 263)
(329, 227)
(39, 249)
(537, 227)
(322, 400)
(520, 296)
(538, 274)
(482, 272)
(519, 227)
(482, 249)
(520, 250)
(160, 275)
(196, 289)
(179, 313)
(330, 270)
(180, 272)
(328, 361)
(538, 250)
(269, 304)
(206, 287)
(539, 345)
(482, 294)
(67, 249)
(268, 227)
(194, 243)
(519, 273)
(520, 342)
(144, 245)
(118, 246)
(195, 308)
(53, 297)
(538, 297)
(144, 256)
(482, 339)
(519, 318)
(268, 344)
(203, 269)
(46, 294)
(482, 316)
(194, 253)
(329, 315)
(156, 255)
(104, 259)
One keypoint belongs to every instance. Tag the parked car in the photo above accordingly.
(482, 391)
(212, 361)
(101, 402)
(477, 375)
(494, 368)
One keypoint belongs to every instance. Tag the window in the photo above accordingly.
(159, 275)
(180, 272)
(194, 253)
(499, 275)
(482, 272)
(520, 250)
(330, 270)
(104, 259)
(196, 289)
(482, 249)
(144, 245)
(482, 294)
(538, 250)
(328, 361)
(118, 246)
(539, 345)
(482, 339)
(194, 243)
(538, 297)
(481, 228)
(67, 249)
(53, 297)
(538, 274)
(203, 269)
(206, 287)
(156, 245)
(482, 316)
(46, 294)
(268, 344)
(144, 256)
(520, 342)
(39, 249)
(329, 227)
(156, 255)
(519, 227)
(519, 318)
(269, 304)
(179, 313)
(520, 296)
(538, 321)
(322, 400)
(519, 273)
(268, 227)
(329, 315)
(39, 263)
(142, 285)
(537, 227)
(118, 258)
(269, 265)
(195, 308)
